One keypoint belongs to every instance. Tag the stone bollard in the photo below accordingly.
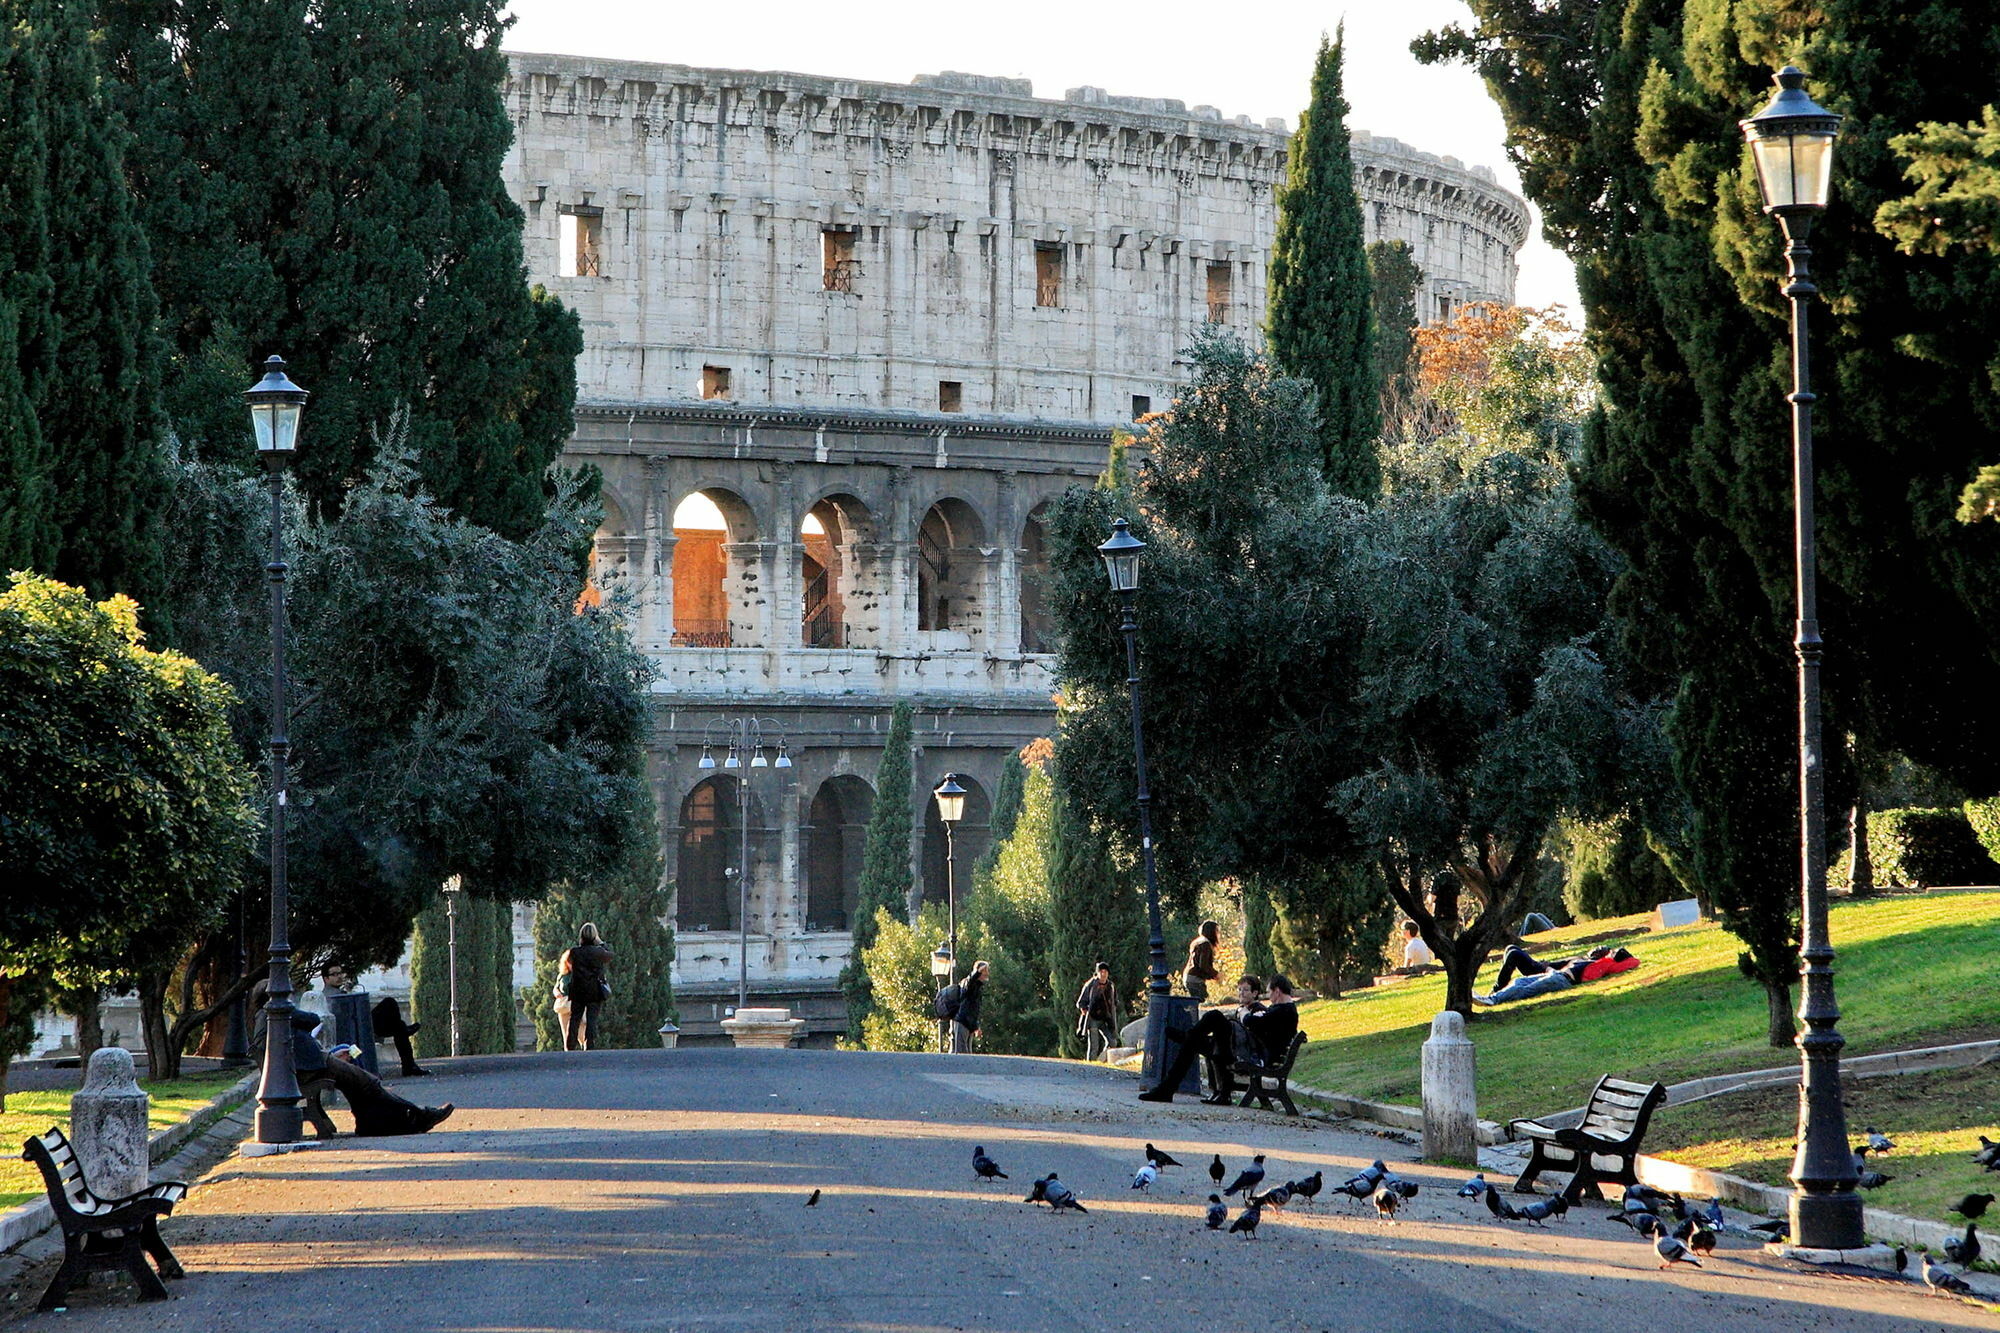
(1451, 1105)
(763, 1027)
(107, 1126)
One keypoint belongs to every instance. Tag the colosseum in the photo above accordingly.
(844, 342)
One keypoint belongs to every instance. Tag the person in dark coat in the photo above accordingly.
(1256, 1034)
(588, 963)
(1200, 968)
(1097, 1013)
(965, 1020)
(388, 1019)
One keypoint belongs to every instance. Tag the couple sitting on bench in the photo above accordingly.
(1539, 978)
(1254, 1035)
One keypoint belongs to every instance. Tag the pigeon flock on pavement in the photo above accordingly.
(1679, 1233)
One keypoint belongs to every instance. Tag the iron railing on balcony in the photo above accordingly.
(841, 275)
(1048, 291)
(701, 634)
(1218, 312)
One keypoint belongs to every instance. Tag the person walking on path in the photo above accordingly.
(588, 965)
(1200, 969)
(965, 1019)
(1097, 1013)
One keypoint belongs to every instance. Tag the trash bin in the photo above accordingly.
(352, 1023)
(1182, 1012)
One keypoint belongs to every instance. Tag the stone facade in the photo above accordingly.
(875, 329)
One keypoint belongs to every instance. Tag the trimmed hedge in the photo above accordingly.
(1984, 816)
(1920, 848)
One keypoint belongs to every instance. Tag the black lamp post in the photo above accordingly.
(749, 740)
(1791, 141)
(1121, 565)
(951, 808)
(275, 407)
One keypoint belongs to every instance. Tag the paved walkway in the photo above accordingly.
(666, 1190)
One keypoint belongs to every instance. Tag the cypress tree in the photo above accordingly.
(885, 863)
(630, 909)
(1394, 279)
(430, 981)
(28, 535)
(1321, 327)
(501, 975)
(1095, 911)
(365, 233)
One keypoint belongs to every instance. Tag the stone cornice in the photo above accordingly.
(846, 421)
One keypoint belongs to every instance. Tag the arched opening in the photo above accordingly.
(969, 840)
(705, 587)
(710, 844)
(837, 599)
(615, 555)
(837, 826)
(1036, 627)
(951, 570)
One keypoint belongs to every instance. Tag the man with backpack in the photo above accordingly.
(1097, 1013)
(964, 1009)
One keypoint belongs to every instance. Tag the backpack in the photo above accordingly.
(946, 1004)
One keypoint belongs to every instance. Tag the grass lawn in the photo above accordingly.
(1912, 971)
(1935, 1119)
(31, 1113)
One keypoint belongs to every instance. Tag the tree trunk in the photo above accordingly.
(88, 1009)
(1461, 964)
(6, 1056)
(1861, 866)
(163, 1056)
(1779, 997)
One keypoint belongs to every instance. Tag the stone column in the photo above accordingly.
(107, 1126)
(1451, 1114)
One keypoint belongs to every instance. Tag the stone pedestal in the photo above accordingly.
(1451, 1104)
(763, 1027)
(107, 1125)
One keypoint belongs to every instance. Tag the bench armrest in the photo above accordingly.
(1533, 1129)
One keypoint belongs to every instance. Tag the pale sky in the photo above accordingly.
(1252, 58)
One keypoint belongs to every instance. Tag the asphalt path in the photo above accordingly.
(667, 1190)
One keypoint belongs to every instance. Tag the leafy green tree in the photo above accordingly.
(1097, 911)
(1330, 927)
(366, 234)
(1321, 326)
(886, 880)
(1394, 279)
(124, 812)
(1006, 918)
(898, 964)
(1611, 869)
(1260, 922)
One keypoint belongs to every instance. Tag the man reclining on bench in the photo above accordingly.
(1539, 978)
(1257, 1034)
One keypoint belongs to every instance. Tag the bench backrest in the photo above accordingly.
(63, 1174)
(1284, 1066)
(1619, 1109)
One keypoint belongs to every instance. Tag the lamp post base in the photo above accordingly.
(1827, 1221)
(280, 1124)
(1154, 1066)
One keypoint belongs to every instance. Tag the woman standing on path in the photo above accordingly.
(1200, 969)
(588, 964)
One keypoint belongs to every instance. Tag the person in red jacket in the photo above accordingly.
(1531, 976)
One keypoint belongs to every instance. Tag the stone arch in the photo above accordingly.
(710, 843)
(1037, 629)
(617, 552)
(969, 840)
(842, 584)
(836, 828)
(952, 574)
(713, 579)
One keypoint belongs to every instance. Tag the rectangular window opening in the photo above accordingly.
(580, 243)
(951, 396)
(838, 266)
(1048, 274)
(1218, 293)
(1141, 405)
(715, 381)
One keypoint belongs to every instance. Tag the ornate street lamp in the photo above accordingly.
(951, 809)
(452, 888)
(275, 407)
(748, 738)
(1791, 141)
(1121, 566)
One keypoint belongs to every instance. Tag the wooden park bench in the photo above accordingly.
(99, 1233)
(1614, 1120)
(315, 1084)
(1269, 1080)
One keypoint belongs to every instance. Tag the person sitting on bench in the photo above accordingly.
(1538, 978)
(1254, 1034)
(378, 1112)
(388, 1018)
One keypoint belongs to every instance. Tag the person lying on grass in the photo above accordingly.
(1539, 978)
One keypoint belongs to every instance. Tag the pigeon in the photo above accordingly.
(1939, 1278)
(1159, 1159)
(1701, 1240)
(1218, 1212)
(1406, 1188)
(1039, 1192)
(1902, 1260)
(1474, 1187)
(1989, 1153)
(1673, 1252)
(1307, 1189)
(1878, 1141)
(1964, 1252)
(1275, 1197)
(1059, 1195)
(1641, 1221)
(1387, 1201)
(1872, 1180)
(812, 1199)
(1216, 1170)
(1711, 1216)
(1143, 1178)
(1499, 1207)
(1364, 1184)
(1249, 1178)
(985, 1167)
(1776, 1229)
(1658, 1202)
(1542, 1210)
(1247, 1224)
(1972, 1206)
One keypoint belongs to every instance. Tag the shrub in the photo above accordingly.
(1919, 848)
(1984, 816)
